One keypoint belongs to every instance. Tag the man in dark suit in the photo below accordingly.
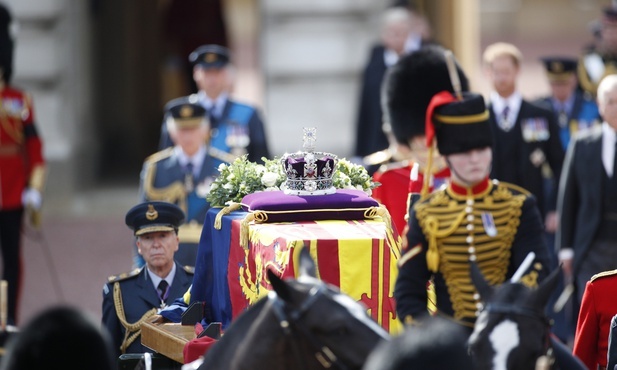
(399, 36)
(587, 235)
(131, 298)
(182, 174)
(526, 144)
(237, 128)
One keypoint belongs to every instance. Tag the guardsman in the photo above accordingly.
(22, 168)
(473, 218)
(237, 128)
(183, 173)
(408, 88)
(601, 60)
(591, 341)
(129, 299)
(574, 110)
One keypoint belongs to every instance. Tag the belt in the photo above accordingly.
(9, 150)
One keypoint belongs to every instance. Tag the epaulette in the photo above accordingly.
(379, 157)
(189, 269)
(123, 276)
(603, 274)
(394, 165)
(512, 187)
(158, 156)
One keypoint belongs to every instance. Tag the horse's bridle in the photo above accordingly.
(508, 309)
(289, 320)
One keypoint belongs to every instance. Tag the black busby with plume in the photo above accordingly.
(6, 44)
(409, 86)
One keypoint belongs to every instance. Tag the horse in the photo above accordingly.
(301, 324)
(513, 332)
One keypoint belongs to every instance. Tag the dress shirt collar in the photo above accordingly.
(157, 279)
(196, 160)
(608, 148)
(214, 106)
(513, 101)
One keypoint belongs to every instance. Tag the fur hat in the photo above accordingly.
(409, 86)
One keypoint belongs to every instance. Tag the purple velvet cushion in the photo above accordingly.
(345, 204)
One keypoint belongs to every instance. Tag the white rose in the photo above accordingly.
(222, 167)
(230, 177)
(268, 179)
(228, 186)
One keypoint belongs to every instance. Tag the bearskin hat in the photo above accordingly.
(6, 44)
(409, 86)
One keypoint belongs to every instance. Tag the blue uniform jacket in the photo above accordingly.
(138, 297)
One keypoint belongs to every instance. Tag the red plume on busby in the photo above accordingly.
(409, 86)
(6, 44)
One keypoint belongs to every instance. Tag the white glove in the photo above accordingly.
(32, 197)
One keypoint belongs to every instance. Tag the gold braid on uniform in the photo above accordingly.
(455, 232)
(173, 193)
(132, 331)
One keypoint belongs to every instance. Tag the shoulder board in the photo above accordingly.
(158, 156)
(603, 274)
(189, 269)
(123, 276)
(510, 186)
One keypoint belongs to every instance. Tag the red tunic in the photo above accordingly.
(20, 146)
(395, 188)
(594, 319)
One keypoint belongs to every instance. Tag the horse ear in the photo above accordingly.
(278, 285)
(307, 265)
(540, 296)
(478, 280)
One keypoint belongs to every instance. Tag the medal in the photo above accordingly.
(489, 224)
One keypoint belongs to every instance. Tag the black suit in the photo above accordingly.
(581, 194)
(369, 134)
(519, 158)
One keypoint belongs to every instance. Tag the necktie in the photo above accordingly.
(503, 121)
(188, 177)
(162, 290)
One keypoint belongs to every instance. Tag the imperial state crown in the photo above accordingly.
(309, 172)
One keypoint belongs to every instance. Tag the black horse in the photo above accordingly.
(513, 331)
(301, 324)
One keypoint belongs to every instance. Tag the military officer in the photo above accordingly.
(22, 168)
(131, 298)
(183, 174)
(474, 218)
(237, 128)
(601, 60)
(574, 110)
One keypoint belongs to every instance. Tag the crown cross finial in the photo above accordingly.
(309, 136)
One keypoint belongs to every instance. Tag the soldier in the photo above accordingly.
(474, 218)
(237, 128)
(574, 110)
(22, 167)
(601, 60)
(598, 307)
(131, 298)
(408, 88)
(183, 174)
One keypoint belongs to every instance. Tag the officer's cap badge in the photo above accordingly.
(186, 111)
(151, 214)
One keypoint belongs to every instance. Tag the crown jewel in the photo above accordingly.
(309, 172)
